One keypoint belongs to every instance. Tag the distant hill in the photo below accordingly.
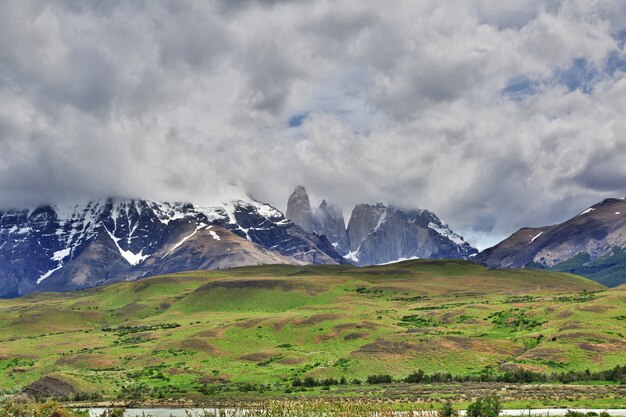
(225, 333)
(591, 244)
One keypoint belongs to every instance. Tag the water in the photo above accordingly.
(181, 412)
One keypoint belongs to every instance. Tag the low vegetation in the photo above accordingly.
(489, 406)
(269, 332)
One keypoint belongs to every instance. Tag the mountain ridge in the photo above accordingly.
(113, 238)
(587, 244)
(380, 233)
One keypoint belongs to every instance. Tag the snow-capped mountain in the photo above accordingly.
(378, 234)
(591, 244)
(82, 245)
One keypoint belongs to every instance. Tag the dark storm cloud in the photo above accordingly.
(479, 111)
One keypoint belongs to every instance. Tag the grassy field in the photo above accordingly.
(250, 332)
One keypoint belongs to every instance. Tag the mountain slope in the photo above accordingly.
(590, 244)
(82, 245)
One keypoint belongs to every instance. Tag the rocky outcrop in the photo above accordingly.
(380, 234)
(84, 245)
(299, 209)
(328, 221)
(591, 244)
(377, 233)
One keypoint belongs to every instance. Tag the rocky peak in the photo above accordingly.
(328, 221)
(299, 209)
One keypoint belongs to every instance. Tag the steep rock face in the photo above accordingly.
(83, 245)
(364, 220)
(381, 234)
(591, 244)
(328, 221)
(299, 209)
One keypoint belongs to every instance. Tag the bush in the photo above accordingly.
(415, 377)
(22, 408)
(379, 379)
(309, 382)
(485, 407)
(447, 410)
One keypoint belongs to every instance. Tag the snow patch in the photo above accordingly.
(618, 212)
(61, 254)
(400, 260)
(353, 256)
(214, 235)
(132, 258)
(589, 210)
(186, 238)
(447, 233)
(50, 272)
(535, 237)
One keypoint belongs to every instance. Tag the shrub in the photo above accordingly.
(447, 410)
(415, 377)
(379, 379)
(485, 407)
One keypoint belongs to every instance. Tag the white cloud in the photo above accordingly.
(402, 104)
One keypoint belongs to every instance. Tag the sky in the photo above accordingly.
(493, 114)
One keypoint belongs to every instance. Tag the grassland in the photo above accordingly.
(248, 333)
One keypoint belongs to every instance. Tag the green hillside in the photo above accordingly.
(226, 332)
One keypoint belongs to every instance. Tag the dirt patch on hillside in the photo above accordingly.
(570, 325)
(130, 309)
(213, 333)
(356, 326)
(324, 337)
(603, 347)
(355, 335)
(514, 367)
(292, 361)
(565, 314)
(248, 324)
(199, 345)
(387, 347)
(49, 386)
(596, 309)
(578, 335)
(90, 361)
(316, 319)
(257, 356)
(279, 324)
(546, 354)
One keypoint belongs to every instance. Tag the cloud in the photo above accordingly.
(494, 117)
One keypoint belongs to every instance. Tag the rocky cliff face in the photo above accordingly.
(299, 209)
(328, 221)
(378, 233)
(83, 245)
(381, 234)
(591, 244)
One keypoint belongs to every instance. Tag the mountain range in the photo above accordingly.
(82, 245)
(60, 248)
